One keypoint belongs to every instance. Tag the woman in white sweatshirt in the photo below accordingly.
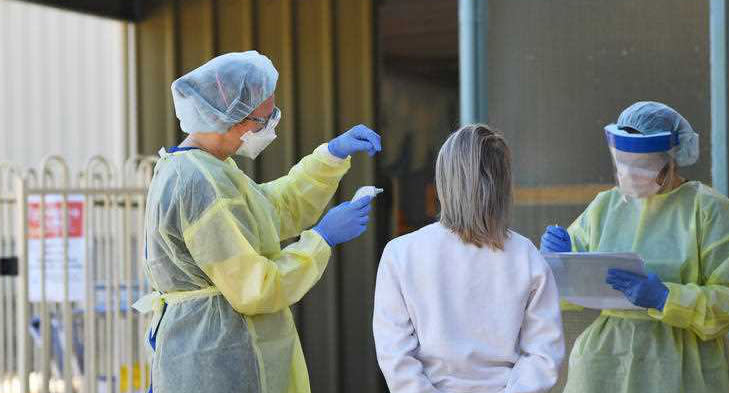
(465, 304)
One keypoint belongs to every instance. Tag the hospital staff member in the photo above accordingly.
(222, 320)
(681, 229)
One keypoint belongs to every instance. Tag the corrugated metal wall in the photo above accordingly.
(62, 85)
(323, 50)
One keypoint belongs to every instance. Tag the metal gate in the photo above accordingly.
(71, 264)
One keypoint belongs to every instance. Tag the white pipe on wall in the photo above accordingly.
(719, 125)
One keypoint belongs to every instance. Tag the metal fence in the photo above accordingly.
(72, 254)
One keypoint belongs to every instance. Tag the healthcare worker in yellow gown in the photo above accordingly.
(681, 229)
(223, 284)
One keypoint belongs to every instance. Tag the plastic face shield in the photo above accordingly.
(638, 159)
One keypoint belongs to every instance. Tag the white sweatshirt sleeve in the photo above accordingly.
(541, 340)
(395, 338)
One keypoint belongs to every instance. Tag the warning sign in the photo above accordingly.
(54, 248)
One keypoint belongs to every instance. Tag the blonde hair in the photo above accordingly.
(473, 180)
(668, 176)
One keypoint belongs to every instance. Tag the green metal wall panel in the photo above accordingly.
(195, 34)
(319, 312)
(355, 104)
(275, 40)
(155, 72)
(235, 31)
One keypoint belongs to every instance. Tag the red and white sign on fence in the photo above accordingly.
(54, 248)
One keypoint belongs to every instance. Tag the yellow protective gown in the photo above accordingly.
(213, 243)
(683, 236)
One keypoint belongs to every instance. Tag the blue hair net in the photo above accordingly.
(223, 91)
(648, 117)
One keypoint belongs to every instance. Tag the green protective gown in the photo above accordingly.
(683, 236)
(214, 255)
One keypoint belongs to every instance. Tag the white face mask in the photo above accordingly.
(637, 174)
(255, 142)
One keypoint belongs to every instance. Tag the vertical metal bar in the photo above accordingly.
(143, 376)
(131, 76)
(125, 64)
(719, 101)
(467, 60)
(12, 291)
(108, 273)
(45, 318)
(127, 263)
(481, 61)
(117, 326)
(98, 260)
(5, 313)
(22, 298)
(8, 296)
(5, 316)
(116, 263)
(90, 308)
(68, 347)
(472, 30)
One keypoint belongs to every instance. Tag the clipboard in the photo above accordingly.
(581, 276)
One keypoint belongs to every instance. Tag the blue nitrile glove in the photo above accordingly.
(345, 222)
(555, 239)
(644, 291)
(358, 138)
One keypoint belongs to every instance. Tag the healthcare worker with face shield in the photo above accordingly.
(681, 229)
(213, 255)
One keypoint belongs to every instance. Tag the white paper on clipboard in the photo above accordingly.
(581, 276)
